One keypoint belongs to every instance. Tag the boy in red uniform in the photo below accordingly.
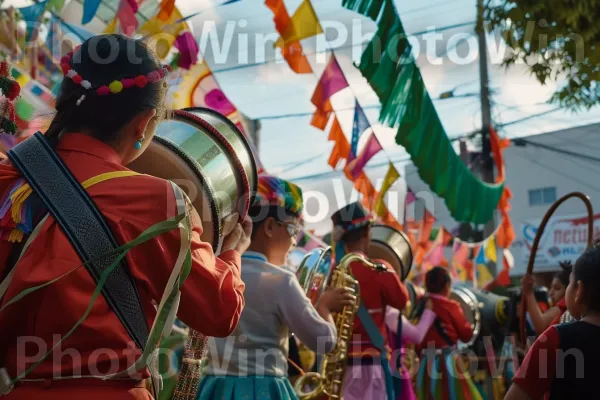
(366, 374)
(564, 362)
(441, 374)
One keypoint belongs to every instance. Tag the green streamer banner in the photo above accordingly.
(389, 67)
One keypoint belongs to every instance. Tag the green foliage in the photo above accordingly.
(557, 40)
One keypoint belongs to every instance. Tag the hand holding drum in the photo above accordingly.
(239, 238)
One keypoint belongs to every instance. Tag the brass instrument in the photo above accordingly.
(333, 367)
(314, 272)
(538, 237)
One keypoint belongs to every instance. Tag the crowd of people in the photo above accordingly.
(60, 339)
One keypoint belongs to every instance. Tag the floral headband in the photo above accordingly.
(115, 86)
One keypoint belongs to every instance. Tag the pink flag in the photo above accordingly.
(410, 197)
(355, 167)
(435, 255)
(460, 253)
(331, 82)
(188, 48)
(127, 18)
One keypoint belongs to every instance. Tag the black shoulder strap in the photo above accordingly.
(442, 332)
(84, 226)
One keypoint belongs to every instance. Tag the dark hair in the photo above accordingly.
(436, 279)
(564, 275)
(101, 60)
(354, 235)
(587, 270)
(259, 214)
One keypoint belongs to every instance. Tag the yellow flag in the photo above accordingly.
(390, 177)
(112, 27)
(483, 275)
(490, 249)
(162, 34)
(303, 24)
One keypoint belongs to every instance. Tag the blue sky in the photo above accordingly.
(295, 150)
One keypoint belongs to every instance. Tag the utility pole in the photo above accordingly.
(487, 164)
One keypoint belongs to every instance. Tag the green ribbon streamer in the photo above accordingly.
(150, 233)
(388, 65)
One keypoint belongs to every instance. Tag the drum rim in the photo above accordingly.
(477, 323)
(214, 207)
(241, 136)
(405, 237)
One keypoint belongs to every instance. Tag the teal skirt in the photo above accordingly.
(245, 388)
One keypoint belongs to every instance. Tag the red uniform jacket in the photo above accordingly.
(212, 296)
(453, 321)
(377, 291)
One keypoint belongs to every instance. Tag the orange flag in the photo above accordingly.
(292, 52)
(165, 10)
(341, 148)
(364, 186)
(425, 227)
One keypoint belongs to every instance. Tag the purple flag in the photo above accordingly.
(331, 82)
(371, 148)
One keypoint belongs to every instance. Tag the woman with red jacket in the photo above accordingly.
(96, 134)
(442, 374)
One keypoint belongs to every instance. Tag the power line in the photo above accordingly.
(523, 142)
(238, 67)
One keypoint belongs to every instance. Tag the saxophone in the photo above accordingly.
(333, 367)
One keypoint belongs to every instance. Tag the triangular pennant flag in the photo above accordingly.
(162, 33)
(364, 186)
(355, 167)
(127, 18)
(31, 16)
(483, 275)
(480, 259)
(359, 126)
(165, 10)
(341, 146)
(303, 24)
(90, 7)
(490, 249)
(410, 197)
(508, 260)
(112, 27)
(460, 252)
(331, 82)
(391, 176)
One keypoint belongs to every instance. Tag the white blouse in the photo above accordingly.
(275, 305)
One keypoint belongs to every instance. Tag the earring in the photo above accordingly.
(138, 144)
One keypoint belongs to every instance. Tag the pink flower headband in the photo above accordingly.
(115, 86)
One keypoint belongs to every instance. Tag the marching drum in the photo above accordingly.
(470, 305)
(209, 158)
(393, 246)
(314, 272)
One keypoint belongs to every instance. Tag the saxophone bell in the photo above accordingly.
(329, 380)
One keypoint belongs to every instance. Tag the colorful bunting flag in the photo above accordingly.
(292, 52)
(364, 186)
(161, 34)
(127, 19)
(480, 259)
(359, 126)
(90, 8)
(508, 260)
(165, 9)
(355, 167)
(331, 82)
(112, 26)
(31, 16)
(303, 24)
(410, 197)
(188, 49)
(391, 176)
(484, 277)
(490, 249)
(341, 145)
(460, 252)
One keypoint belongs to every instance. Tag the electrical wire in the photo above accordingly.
(556, 149)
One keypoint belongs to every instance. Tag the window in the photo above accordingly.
(539, 197)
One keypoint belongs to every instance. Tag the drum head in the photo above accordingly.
(210, 160)
(470, 305)
(392, 246)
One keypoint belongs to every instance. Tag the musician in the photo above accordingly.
(542, 320)
(252, 362)
(449, 326)
(368, 369)
(564, 362)
(98, 134)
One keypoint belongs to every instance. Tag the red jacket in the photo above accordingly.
(377, 291)
(453, 321)
(212, 296)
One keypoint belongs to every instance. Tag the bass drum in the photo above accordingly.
(314, 272)
(392, 246)
(470, 306)
(209, 158)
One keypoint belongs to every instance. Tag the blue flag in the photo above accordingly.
(480, 259)
(32, 15)
(359, 126)
(90, 8)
